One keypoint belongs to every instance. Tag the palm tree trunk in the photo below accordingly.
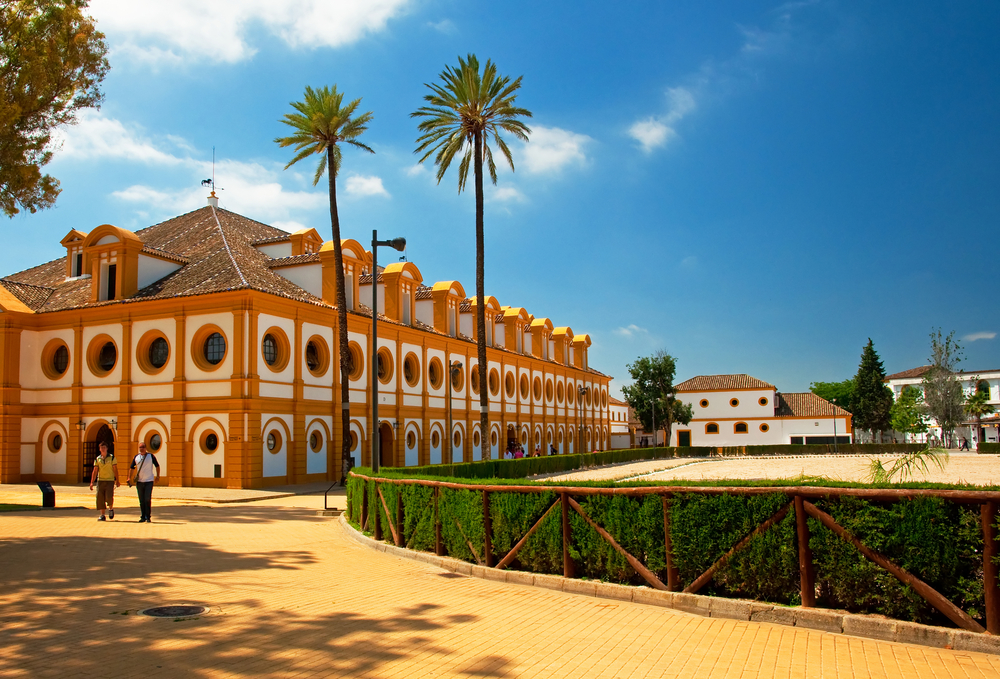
(338, 262)
(484, 402)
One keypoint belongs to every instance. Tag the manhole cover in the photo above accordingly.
(175, 611)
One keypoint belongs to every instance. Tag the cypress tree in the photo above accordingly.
(872, 398)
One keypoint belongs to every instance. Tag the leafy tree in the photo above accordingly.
(977, 405)
(653, 395)
(321, 123)
(943, 396)
(908, 412)
(872, 398)
(52, 62)
(464, 112)
(840, 392)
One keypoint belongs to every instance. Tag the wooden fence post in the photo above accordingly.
(438, 544)
(487, 530)
(378, 517)
(568, 570)
(807, 577)
(673, 576)
(364, 505)
(988, 514)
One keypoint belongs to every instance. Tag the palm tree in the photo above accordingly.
(464, 112)
(321, 123)
(977, 405)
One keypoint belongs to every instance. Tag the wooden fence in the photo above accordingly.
(798, 501)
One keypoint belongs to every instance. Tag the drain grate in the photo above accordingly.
(175, 611)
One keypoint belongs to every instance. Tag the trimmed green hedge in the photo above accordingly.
(552, 464)
(989, 448)
(936, 540)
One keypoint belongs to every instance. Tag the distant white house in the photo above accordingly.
(621, 431)
(971, 380)
(740, 410)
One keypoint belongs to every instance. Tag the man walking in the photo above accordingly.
(106, 475)
(144, 465)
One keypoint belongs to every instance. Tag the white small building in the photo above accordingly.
(621, 433)
(740, 410)
(971, 381)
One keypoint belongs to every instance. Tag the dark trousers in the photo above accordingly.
(145, 490)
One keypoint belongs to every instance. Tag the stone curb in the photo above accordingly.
(838, 622)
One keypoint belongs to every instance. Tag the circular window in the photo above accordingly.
(274, 441)
(762, 400)
(384, 365)
(411, 440)
(734, 402)
(355, 361)
(159, 352)
(209, 442)
(570, 394)
(604, 399)
(354, 442)
(317, 356)
(538, 438)
(315, 441)
(764, 427)
(548, 390)
(457, 377)
(152, 352)
(586, 392)
(411, 369)
(457, 439)
(588, 436)
(55, 442)
(208, 350)
(474, 380)
(536, 389)
(548, 437)
(493, 439)
(703, 403)
(154, 441)
(508, 385)
(524, 387)
(55, 359)
(494, 382)
(559, 392)
(524, 437)
(274, 349)
(559, 437)
(569, 435)
(435, 373)
(475, 439)
(102, 355)
(435, 439)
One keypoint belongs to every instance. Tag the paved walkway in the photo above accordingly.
(292, 595)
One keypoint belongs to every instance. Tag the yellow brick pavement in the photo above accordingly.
(292, 596)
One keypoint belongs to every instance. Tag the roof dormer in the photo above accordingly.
(447, 296)
(469, 321)
(111, 255)
(76, 264)
(541, 331)
(306, 242)
(515, 319)
(356, 259)
(562, 340)
(581, 343)
(401, 280)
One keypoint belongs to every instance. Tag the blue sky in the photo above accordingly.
(753, 187)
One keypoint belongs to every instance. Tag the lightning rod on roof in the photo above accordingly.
(212, 199)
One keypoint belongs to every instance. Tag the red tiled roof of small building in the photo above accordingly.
(806, 405)
(909, 374)
(720, 382)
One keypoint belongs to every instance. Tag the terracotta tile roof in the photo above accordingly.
(33, 296)
(806, 405)
(217, 245)
(615, 402)
(307, 258)
(711, 382)
(164, 254)
(909, 374)
(424, 292)
(275, 239)
(465, 306)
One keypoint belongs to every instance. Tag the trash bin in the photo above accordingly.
(48, 494)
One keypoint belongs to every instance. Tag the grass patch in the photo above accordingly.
(18, 508)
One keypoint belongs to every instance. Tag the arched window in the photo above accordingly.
(983, 387)
(711, 428)
(740, 428)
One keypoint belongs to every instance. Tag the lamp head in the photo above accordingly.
(397, 244)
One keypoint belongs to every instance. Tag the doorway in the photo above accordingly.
(385, 445)
(91, 451)
(684, 438)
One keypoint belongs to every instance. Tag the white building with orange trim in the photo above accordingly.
(212, 337)
(740, 410)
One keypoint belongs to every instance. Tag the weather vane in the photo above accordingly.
(211, 182)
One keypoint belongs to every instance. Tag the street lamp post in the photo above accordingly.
(453, 369)
(835, 449)
(396, 244)
(581, 392)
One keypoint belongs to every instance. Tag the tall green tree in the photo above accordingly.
(908, 412)
(943, 398)
(653, 396)
(465, 111)
(841, 392)
(977, 405)
(872, 398)
(52, 62)
(320, 124)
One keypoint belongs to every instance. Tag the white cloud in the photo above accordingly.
(979, 336)
(631, 330)
(359, 186)
(551, 149)
(181, 30)
(415, 170)
(505, 194)
(95, 136)
(446, 26)
(657, 131)
(292, 226)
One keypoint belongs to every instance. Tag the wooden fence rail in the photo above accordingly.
(797, 499)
